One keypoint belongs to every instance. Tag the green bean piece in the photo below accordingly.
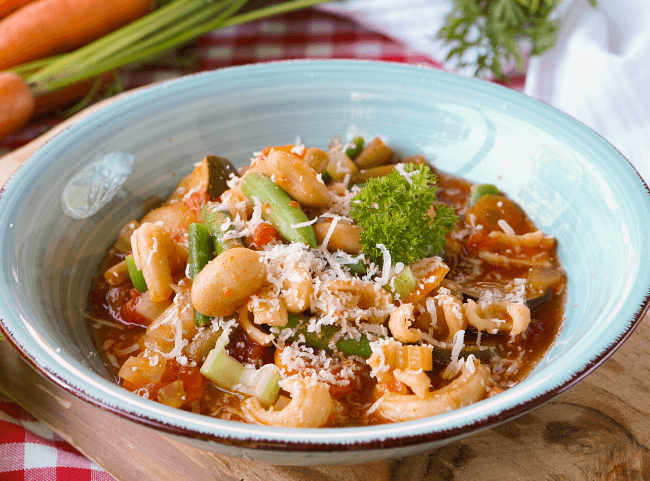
(279, 209)
(137, 278)
(199, 244)
(361, 348)
(213, 220)
(199, 254)
(355, 265)
(322, 340)
(355, 148)
(479, 190)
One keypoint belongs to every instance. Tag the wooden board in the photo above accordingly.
(600, 429)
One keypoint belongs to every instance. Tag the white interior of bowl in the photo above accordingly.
(573, 184)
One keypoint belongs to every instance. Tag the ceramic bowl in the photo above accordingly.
(574, 185)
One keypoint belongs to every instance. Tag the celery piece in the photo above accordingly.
(261, 383)
(403, 283)
(137, 278)
(221, 368)
(230, 374)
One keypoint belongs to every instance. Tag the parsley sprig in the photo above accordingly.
(495, 29)
(392, 210)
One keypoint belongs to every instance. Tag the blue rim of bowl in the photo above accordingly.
(243, 435)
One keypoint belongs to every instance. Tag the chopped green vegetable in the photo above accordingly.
(281, 211)
(355, 265)
(392, 211)
(199, 254)
(361, 348)
(479, 190)
(355, 147)
(220, 367)
(322, 340)
(137, 278)
(199, 248)
(230, 374)
(326, 177)
(214, 220)
(261, 383)
(201, 345)
(403, 283)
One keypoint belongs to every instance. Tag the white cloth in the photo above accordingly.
(598, 72)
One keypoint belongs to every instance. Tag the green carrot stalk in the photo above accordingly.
(171, 26)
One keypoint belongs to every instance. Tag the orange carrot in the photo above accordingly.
(47, 27)
(8, 6)
(16, 103)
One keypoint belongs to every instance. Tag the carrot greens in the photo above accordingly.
(173, 25)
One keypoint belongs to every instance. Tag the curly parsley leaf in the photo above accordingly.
(392, 210)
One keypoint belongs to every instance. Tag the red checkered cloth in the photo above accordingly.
(303, 34)
(29, 450)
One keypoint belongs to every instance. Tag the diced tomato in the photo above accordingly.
(263, 234)
(392, 386)
(190, 376)
(247, 351)
(477, 242)
(171, 372)
(196, 200)
(284, 148)
(128, 312)
(193, 382)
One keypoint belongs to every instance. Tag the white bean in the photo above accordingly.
(297, 179)
(344, 237)
(227, 281)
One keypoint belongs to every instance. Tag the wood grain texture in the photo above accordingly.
(600, 429)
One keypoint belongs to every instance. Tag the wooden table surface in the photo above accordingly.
(600, 429)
